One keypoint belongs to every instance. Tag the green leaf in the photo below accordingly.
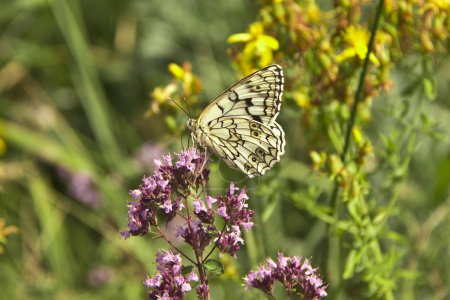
(187, 269)
(268, 211)
(214, 266)
(171, 123)
(429, 88)
(350, 265)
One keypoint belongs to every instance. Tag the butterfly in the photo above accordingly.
(240, 124)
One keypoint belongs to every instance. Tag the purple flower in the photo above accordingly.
(139, 219)
(196, 235)
(262, 279)
(81, 187)
(154, 282)
(294, 275)
(177, 190)
(233, 208)
(146, 155)
(230, 241)
(202, 212)
(100, 275)
(169, 283)
(202, 291)
(160, 193)
(187, 159)
(199, 206)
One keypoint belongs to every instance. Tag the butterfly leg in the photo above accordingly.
(206, 157)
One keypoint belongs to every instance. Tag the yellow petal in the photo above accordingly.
(374, 59)
(176, 71)
(313, 12)
(271, 42)
(256, 29)
(265, 58)
(346, 54)
(357, 136)
(301, 99)
(361, 51)
(249, 51)
(2, 146)
(239, 38)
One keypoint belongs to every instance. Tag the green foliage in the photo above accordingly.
(83, 85)
(214, 266)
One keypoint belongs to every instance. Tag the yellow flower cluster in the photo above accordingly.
(184, 87)
(258, 48)
(4, 232)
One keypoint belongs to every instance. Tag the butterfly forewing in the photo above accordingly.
(256, 97)
(239, 125)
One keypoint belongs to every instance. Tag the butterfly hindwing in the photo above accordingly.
(246, 144)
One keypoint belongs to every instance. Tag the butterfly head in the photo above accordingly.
(192, 124)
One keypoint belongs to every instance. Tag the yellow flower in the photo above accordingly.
(441, 4)
(160, 96)
(258, 46)
(313, 12)
(185, 85)
(2, 146)
(230, 268)
(177, 71)
(357, 136)
(357, 38)
(4, 232)
(301, 98)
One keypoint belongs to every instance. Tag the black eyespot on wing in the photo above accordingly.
(254, 133)
(259, 152)
(254, 125)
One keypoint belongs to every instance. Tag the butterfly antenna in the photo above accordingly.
(189, 116)
(179, 107)
(187, 106)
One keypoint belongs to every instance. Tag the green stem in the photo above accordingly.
(334, 241)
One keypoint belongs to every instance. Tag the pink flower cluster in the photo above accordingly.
(294, 275)
(179, 188)
(169, 282)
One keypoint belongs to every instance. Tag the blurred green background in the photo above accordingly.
(75, 78)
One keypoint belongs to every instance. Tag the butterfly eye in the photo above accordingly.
(254, 126)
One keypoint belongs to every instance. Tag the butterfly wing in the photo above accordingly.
(246, 144)
(256, 97)
(239, 125)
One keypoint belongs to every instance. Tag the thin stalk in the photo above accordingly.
(215, 244)
(173, 246)
(334, 243)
